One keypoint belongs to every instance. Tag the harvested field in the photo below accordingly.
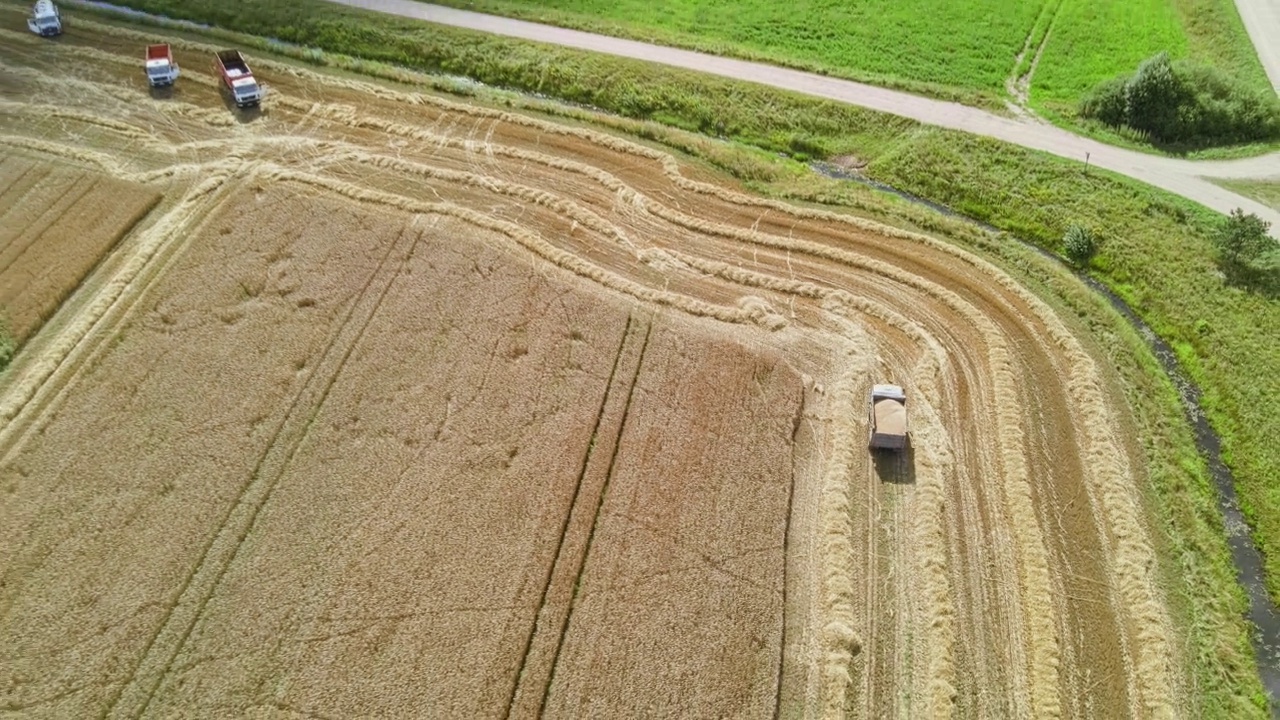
(396, 405)
(55, 225)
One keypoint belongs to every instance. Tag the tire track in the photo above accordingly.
(41, 376)
(595, 515)
(548, 619)
(873, 602)
(16, 191)
(13, 251)
(787, 554)
(148, 674)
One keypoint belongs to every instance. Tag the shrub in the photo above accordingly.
(1105, 102)
(1079, 245)
(1241, 239)
(1153, 98)
(1184, 103)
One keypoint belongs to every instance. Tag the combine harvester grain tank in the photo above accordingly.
(45, 20)
(238, 78)
(161, 68)
(888, 418)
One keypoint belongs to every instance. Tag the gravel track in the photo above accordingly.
(1001, 568)
(1262, 22)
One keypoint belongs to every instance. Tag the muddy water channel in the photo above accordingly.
(1248, 561)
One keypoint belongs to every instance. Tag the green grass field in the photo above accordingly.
(969, 47)
(962, 49)
(1091, 41)
(1216, 36)
(1266, 192)
(1156, 253)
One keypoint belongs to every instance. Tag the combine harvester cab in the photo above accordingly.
(45, 20)
(888, 418)
(237, 78)
(161, 69)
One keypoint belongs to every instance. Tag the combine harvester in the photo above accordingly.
(237, 78)
(888, 418)
(45, 20)
(161, 69)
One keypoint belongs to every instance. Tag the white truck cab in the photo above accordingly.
(45, 20)
(161, 68)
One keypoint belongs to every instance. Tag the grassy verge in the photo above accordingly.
(1200, 579)
(1216, 37)
(1155, 254)
(888, 43)
(1266, 192)
(1125, 138)
(967, 46)
(898, 44)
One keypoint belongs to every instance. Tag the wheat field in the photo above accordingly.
(395, 405)
(55, 225)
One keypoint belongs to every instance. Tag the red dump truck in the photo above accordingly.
(161, 69)
(237, 78)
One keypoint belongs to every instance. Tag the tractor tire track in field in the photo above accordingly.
(874, 670)
(556, 612)
(556, 560)
(12, 195)
(136, 694)
(32, 233)
(602, 497)
(1018, 84)
(787, 554)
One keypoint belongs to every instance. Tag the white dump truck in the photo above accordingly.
(161, 69)
(45, 20)
(888, 417)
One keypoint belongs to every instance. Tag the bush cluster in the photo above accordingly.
(1079, 245)
(1184, 103)
(1247, 254)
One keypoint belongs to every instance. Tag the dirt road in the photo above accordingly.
(1262, 21)
(368, 278)
(1183, 177)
